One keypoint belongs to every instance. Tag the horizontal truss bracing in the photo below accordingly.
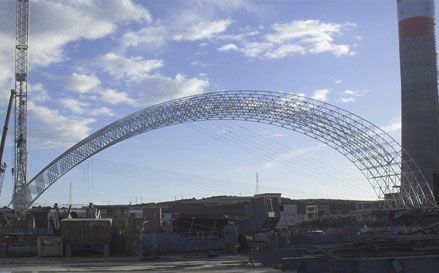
(394, 176)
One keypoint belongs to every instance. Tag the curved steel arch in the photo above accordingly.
(398, 183)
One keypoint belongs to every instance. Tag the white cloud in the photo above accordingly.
(196, 20)
(284, 51)
(321, 95)
(132, 68)
(120, 10)
(81, 83)
(284, 39)
(199, 63)
(101, 111)
(312, 30)
(393, 127)
(79, 107)
(43, 143)
(238, 35)
(347, 100)
(137, 73)
(151, 36)
(326, 46)
(192, 29)
(296, 37)
(73, 105)
(255, 49)
(6, 65)
(338, 81)
(58, 127)
(114, 97)
(202, 30)
(350, 95)
(161, 88)
(37, 92)
(228, 47)
(55, 24)
(207, 6)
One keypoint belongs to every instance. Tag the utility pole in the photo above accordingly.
(257, 184)
(21, 195)
(70, 194)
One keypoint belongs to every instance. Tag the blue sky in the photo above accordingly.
(92, 62)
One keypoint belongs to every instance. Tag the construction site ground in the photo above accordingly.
(237, 263)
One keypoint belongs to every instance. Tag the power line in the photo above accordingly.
(315, 170)
(260, 151)
(170, 177)
(301, 162)
(256, 151)
(283, 147)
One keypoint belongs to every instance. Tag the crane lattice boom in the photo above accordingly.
(21, 195)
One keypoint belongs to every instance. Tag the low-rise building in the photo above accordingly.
(316, 212)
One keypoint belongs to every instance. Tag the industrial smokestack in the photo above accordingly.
(419, 94)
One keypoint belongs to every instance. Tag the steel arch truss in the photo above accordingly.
(394, 176)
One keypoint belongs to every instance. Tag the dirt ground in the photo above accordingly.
(127, 264)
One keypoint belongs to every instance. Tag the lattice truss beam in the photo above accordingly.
(394, 176)
(21, 195)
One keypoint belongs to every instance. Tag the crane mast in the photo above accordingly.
(21, 195)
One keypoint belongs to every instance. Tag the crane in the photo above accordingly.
(3, 140)
(20, 193)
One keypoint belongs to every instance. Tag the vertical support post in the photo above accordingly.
(106, 250)
(68, 250)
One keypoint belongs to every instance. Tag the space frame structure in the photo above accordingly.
(374, 152)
